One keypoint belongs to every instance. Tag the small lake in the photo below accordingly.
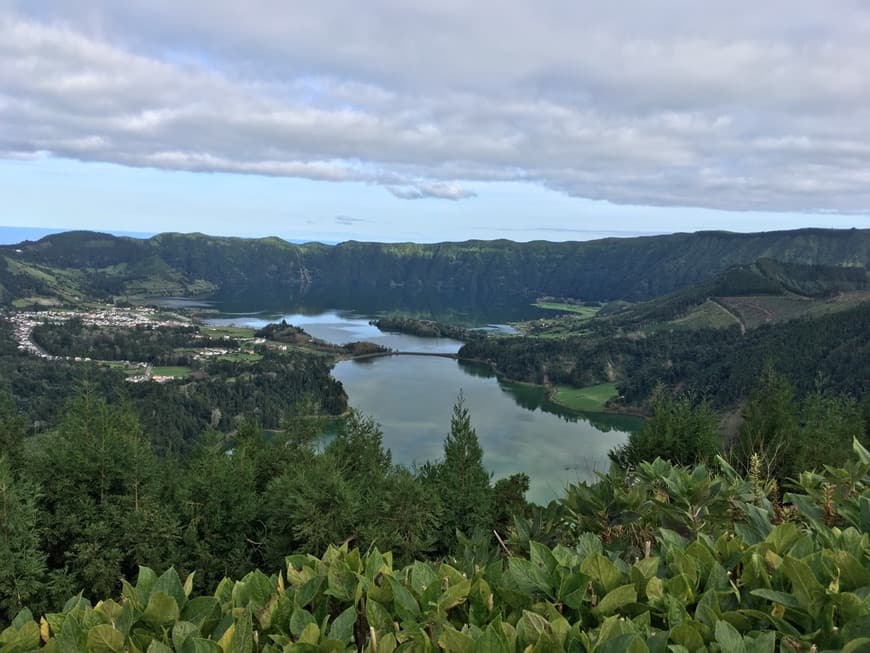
(412, 398)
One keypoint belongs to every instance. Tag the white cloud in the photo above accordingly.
(727, 105)
(438, 191)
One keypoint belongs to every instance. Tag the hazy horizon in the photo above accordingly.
(14, 235)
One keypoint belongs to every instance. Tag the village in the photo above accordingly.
(23, 323)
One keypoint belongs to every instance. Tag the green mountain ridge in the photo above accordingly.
(380, 275)
(772, 285)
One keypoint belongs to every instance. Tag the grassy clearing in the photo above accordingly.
(762, 309)
(559, 326)
(708, 315)
(241, 357)
(176, 371)
(29, 302)
(129, 370)
(576, 309)
(592, 398)
(229, 331)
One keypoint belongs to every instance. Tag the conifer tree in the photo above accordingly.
(22, 565)
(101, 492)
(462, 480)
(681, 430)
(770, 427)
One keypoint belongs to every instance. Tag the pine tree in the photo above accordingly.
(101, 493)
(462, 480)
(22, 564)
(682, 430)
(770, 427)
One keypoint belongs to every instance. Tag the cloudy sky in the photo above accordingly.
(434, 119)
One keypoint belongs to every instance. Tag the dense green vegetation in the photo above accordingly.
(89, 500)
(223, 389)
(377, 276)
(660, 556)
(811, 288)
(690, 542)
(681, 430)
(720, 364)
(425, 328)
(157, 345)
(293, 335)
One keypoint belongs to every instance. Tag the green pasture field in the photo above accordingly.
(591, 398)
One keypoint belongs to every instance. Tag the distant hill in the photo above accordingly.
(13, 235)
(761, 292)
(375, 275)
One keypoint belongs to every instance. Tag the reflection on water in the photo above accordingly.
(412, 397)
(459, 310)
(342, 327)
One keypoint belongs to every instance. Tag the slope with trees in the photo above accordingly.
(660, 558)
(379, 276)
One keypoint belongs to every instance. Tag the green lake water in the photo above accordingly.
(412, 397)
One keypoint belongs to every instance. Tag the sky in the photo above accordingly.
(435, 119)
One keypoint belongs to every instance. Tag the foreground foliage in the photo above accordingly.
(670, 559)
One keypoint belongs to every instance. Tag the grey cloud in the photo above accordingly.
(730, 105)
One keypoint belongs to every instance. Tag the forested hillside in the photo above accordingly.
(804, 288)
(721, 364)
(217, 394)
(656, 557)
(473, 273)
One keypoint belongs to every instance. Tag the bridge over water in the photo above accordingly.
(381, 354)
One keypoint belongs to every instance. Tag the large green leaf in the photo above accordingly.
(145, 583)
(240, 637)
(782, 598)
(105, 639)
(342, 627)
(616, 599)
(728, 638)
(169, 583)
(687, 634)
(377, 615)
(181, 631)
(529, 578)
(627, 643)
(299, 620)
(341, 582)
(454, 640)
(20, 638)
(454, 595)
(158, 647)
(542, 557)
(406, 604)
(305, 594)
(200, 645)
(422, 577)
(162, 610)
(804, 585)
(601, 570)
(202, 611)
